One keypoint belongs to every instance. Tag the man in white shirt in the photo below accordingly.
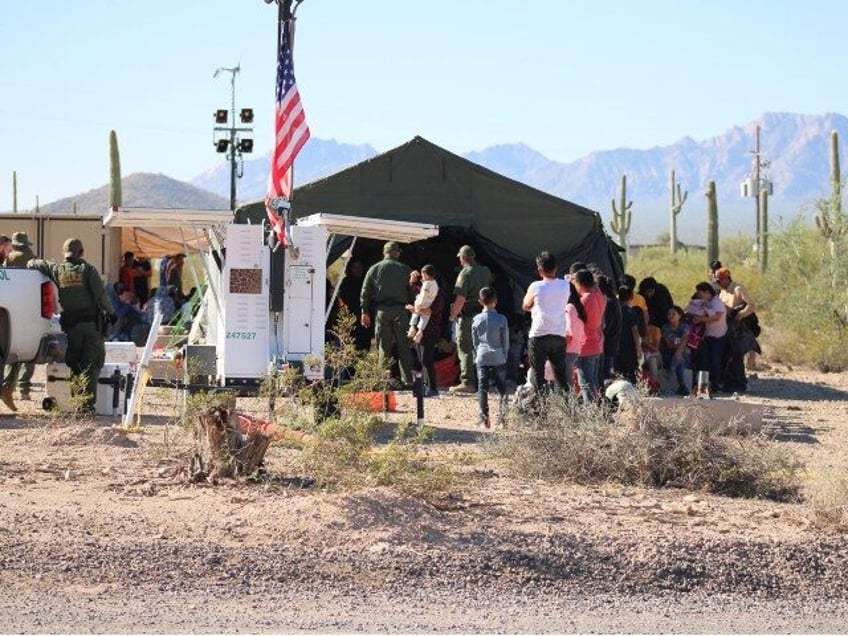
(546, 300)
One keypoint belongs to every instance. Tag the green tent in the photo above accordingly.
(507, 222)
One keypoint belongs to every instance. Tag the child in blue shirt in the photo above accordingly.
(490, 339)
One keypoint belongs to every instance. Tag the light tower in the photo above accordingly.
(227, 139)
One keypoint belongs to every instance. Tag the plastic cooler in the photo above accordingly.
(115, 377)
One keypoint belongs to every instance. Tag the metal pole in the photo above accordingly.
(418, 390)
(233, 139)
(759, 238)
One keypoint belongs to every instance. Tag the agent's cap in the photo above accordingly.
(466, 252)
(392, 247)
(20, 239)
(72, 247)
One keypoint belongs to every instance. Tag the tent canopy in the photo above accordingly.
(156, 232)
(507, 222)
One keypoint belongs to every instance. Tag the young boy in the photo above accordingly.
(490, 339)
(421, 309)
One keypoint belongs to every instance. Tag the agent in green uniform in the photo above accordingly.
(471, 279)
(386, 285)
(19, 373)
(83, 300)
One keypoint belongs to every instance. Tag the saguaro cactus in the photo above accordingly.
(835, 175)
(829, 218)
(14, 192)
(763, 230)
(712, 222)
(115, 194)
(678, 198)
(621, 217)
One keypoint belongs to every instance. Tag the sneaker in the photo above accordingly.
(462, 388)
(411, 333)
(7, 399)
(484, 422)
(418, 337)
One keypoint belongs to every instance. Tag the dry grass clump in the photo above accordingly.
(829, 504)
(653, 447)
(343, 455)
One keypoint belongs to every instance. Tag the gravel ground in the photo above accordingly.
(97, 535)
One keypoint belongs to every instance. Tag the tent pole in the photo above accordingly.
(210, 287)
(190, 264)
(339, 284)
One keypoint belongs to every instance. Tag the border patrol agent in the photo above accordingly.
(386, 285)
(83, 299)
(19, 372)
(471, 279)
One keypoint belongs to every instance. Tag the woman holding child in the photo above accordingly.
(706, 310)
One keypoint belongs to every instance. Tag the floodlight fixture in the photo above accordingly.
(221, 116)
(221, 145)
(245, 145)
(246, 115)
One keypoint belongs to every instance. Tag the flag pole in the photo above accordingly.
(292, 122)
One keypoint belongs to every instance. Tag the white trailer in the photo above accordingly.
(251, 339)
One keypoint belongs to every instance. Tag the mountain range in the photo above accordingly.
(795, 145)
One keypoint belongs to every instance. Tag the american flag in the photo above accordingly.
(290, 128)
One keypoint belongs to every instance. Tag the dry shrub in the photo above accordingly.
(829, 504)
(343, 455)
(647, 446)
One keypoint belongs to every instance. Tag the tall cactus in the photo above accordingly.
(712, 222)
(835, 175)
(678, 198)
(763, 230)
(115, 194)
(14, 192)
(621, 217)
(829, 216)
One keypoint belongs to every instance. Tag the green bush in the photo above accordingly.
(343, 455)
(807, 299)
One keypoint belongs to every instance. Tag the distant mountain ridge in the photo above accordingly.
(141, 189)
(318, 158)
(797, 146)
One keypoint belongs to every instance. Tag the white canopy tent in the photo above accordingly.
(157, 232)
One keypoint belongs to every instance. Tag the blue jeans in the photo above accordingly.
(587, 377)
(710, 358)
(498, 376)
(676, 365)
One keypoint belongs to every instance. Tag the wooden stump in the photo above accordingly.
(221, 449)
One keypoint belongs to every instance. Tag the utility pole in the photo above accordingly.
(756, 181)
(227, 139)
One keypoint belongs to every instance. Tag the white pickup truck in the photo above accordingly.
(28, 322)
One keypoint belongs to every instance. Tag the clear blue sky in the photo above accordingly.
(566, 77)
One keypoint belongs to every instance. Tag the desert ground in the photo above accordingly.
(102, 532)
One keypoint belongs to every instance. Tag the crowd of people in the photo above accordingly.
(585, 330)
(134, 301)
